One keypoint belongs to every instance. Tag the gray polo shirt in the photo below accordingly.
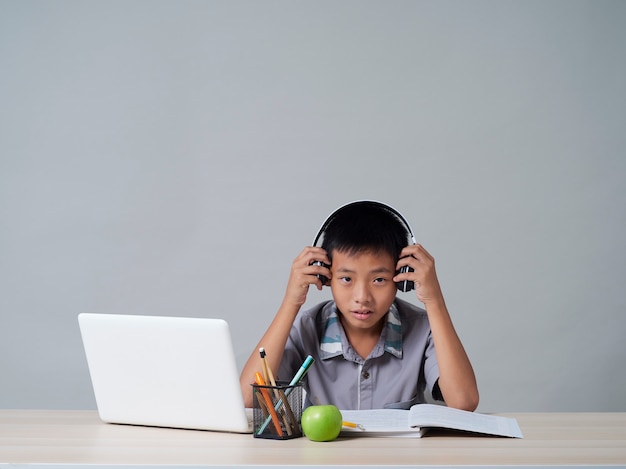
(395, 374)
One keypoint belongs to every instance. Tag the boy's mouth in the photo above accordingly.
(362, 314)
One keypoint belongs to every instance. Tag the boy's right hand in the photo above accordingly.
(305, 273)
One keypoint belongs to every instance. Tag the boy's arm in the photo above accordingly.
(456, 375)
(275, 338)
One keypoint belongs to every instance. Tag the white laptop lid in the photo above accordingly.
(164, 371)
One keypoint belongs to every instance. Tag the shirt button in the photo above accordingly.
(365, 374)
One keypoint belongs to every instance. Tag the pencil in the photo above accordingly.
(280, 411)
(270, 407)
(302, 371)
(353, 425)
(266, 373)
(279, 394)
(263, 406)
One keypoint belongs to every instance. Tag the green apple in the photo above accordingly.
(321, 422)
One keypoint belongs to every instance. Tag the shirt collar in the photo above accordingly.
(331, 344)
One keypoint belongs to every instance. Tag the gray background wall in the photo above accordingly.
(172, 158)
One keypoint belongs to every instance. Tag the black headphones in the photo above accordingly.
(405, 285)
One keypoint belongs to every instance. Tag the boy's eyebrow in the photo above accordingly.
(378, 270)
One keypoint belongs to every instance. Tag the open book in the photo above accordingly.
(421, 417)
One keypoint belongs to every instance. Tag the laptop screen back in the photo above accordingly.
(164, 371)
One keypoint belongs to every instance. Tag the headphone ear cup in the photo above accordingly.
(405, 285)
(323, 278)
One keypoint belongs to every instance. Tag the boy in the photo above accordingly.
(371, 349)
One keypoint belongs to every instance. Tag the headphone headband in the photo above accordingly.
(372, 203)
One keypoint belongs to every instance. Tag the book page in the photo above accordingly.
(378, 422)
(429, 415)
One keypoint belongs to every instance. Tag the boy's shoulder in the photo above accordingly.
(318, 312)
(413, 318)
(311, 322)
(406, 308)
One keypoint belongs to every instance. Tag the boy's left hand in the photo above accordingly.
(424, 275)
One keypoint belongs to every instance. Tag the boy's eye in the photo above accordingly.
(379, 280)
(345, 279)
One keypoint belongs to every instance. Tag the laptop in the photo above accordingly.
(164, 371)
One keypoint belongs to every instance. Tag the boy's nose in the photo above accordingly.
(362, 294)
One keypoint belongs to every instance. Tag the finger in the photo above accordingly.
(313, 253)
(409, 261)
(316, 269)
(416, 250)
(309, 274)
(415, 256)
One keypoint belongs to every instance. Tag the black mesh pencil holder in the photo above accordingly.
(277, 411)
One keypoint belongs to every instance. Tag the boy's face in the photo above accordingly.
(363, 288)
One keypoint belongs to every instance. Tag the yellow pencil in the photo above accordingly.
(353, 425)
(290, 418)
(266, 372)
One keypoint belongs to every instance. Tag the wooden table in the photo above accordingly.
(42, 437)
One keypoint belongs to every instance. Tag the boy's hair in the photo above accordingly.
(364, 227)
